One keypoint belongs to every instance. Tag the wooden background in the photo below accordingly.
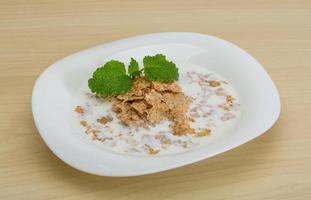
(277, 165)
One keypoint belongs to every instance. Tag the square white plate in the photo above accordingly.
(54, 89)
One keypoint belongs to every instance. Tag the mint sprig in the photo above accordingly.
(112, 79)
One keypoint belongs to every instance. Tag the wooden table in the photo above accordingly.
(276, 165)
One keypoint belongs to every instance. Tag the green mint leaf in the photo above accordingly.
(110, 79)
(136, 74)
(133, 67)
(157, 68)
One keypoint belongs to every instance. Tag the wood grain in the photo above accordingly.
(277, 165)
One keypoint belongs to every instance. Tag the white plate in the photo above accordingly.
(54, 89)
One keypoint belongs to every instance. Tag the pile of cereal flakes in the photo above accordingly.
(149, 103)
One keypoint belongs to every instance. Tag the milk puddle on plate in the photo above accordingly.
(216, 107)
